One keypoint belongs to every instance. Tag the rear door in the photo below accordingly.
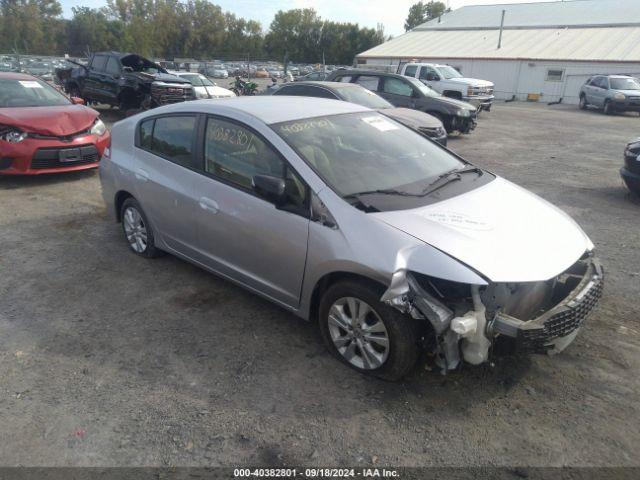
(370, 82)
(398, 92)
(242, 235)
(165, 178)
(109, 80)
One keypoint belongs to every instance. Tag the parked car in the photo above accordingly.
(125, 80)
(612, 93)
(631, 171)
(342, 216)
(450, 82)
(350, 92)
(215, 71)
(203, 87)
(262, 73)
(41, 70)
(59, 135)
(408, 92)
(312, 77)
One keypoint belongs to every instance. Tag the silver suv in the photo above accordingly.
(348, 218)
(612, 93)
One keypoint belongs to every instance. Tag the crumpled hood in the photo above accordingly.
(414, 118)
(55, 121)
(501, 230)
(474, 82)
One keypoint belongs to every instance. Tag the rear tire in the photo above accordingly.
(583, 102)
(376, 339)
(137, 230)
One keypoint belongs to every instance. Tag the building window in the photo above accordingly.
(554, 75)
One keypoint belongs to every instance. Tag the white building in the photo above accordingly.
(545, 49)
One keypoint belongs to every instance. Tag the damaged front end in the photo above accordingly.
(540, 317)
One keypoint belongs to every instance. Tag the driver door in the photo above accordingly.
(430, 77)
(398, 92)
(242, 235)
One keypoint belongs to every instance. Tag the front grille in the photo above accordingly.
(433, 132)
(166, 94)
(50, 157)
(563, 319)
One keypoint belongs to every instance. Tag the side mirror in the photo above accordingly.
(270, 188)
(77, 101)
(432, 78)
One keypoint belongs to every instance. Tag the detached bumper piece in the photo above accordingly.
(555, 329)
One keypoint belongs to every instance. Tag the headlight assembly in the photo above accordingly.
(463, 113)
(619, 96)
(99, 128)
(12, 135)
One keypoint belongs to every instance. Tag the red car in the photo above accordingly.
(42, 131)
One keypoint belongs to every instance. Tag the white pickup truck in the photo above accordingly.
(450, 83)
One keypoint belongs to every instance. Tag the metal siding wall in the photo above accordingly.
(521, 77)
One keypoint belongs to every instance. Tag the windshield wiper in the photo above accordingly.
(389, 191)
(449, 177)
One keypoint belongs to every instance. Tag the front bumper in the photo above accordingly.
(35, 156)
(483, 102)
(631, 179)
(557, 327)
(628, 105)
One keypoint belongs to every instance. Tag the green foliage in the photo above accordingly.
(177, 28)
(422, 12)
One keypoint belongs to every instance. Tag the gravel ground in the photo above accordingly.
(109, 359)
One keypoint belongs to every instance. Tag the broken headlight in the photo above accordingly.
(11, 134)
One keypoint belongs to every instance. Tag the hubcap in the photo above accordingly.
(135, 230)
(358, 333)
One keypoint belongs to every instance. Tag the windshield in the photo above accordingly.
(364, 97)
(198, 80)
(362, 152)
(448, 72)
(29, 93)
(624, 83)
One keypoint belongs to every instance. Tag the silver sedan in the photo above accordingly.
(345, 217)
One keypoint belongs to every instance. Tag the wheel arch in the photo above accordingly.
(118, 201)
(331, 278)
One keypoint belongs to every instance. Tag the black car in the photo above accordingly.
(408, 92)
(631, 170)
(426, 124)
(125, 80)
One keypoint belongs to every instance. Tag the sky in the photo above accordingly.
(391, 13)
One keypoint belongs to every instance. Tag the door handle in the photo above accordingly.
(209, 205)
(142, 175)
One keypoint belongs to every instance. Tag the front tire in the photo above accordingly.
(366, 334)
(607, 108)
(137, 230)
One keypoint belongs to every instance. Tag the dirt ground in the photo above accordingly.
(109, 359)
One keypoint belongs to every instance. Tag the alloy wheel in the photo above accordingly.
(358, 333)
(135, 230)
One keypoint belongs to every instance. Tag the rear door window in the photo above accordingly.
(369, 82)
(395, 86)
(411, 70)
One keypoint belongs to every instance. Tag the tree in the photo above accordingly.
(29, 25)
(422, 12)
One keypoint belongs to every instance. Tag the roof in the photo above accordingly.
(619, 44)
(16, 76)
(270, 109)
(575, 13)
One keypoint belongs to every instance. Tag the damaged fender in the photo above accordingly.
(407, 295)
